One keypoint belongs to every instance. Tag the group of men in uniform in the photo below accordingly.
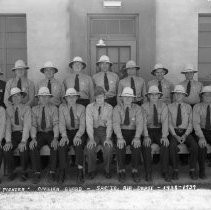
(85, 112)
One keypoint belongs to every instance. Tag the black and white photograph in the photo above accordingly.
(105, 104)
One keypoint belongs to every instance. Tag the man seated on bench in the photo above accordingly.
(72, 127)
(180, 128)
(99, 129)
(202, 127)
(44, 131)
(18, 126)
(128, 127)
(155, 131)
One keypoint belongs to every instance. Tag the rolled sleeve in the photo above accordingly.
(196, 121)
(116, 123)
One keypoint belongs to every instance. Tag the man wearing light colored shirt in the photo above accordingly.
(99, 130)
(155, 131)
(106, 79)
(81, 82)
(22, 82)
(193, 87)
(180, 127)
(54, 86)
(163, 84)
(18, 126)
(44, 131)
(135, 82)
(72, 127)
(202, 127)
(128, 127)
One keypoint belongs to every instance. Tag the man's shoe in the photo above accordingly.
(135, 177)
(36, 178)
(175, 175)
(80, 176)
(108, 175)
(193, 175)
(61, 177)
(91, 175)
(12, 176)
(52, 176)
(166, 177)
(202, 175)
(24, 177)
(148, 177)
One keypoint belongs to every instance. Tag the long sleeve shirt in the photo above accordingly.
(199, 118)
(162, 111)
(187, 119)
(135, 117)
(51, 119)
(27, 86)
(113, 81)
(2, 122)
(95, 120)
(196, 88)
(57, 90)
(24, 117)
(139, 85)
(85, 84)
(166, 89)
(65, 119)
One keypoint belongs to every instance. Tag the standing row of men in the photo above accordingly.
(138, 113)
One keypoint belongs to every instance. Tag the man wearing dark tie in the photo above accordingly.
(134, 81)
(155, 131)
(72, 127)
(180, 128)
(202, 127)
(44, 131)
(107, 79)
(128, 126)
(18, 124)
(81, 82)
(54, 86)
(164, 86)
(193, 87)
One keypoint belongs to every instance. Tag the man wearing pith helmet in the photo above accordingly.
(135, 82)
(193, 87)
(72, 127)
(202, 127)
(81, 82)
(180, 128)
(128, 126)
(155, 131)
(54, 86)
(107, 79)
(22, 82)
(99, 130)
(44, 131)
(164, 86)
(18, 126)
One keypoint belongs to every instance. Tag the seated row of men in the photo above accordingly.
(138, 126)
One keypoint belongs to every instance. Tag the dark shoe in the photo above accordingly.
(148, 177)
(91, 175)
(166, 177)
(80, 176)
(12, 176)
(24, 177)
(175, 175)
(52, 176)
(202, 175)
(36, 178)
(61, 177)
(193, 175)
(108, 175)
(122, 176)
(135, 177)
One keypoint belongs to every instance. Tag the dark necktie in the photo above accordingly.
(49, 85)
(127, 117)
(99, 111)
(106, 84)
(132, 85)
(43, 121)
(188, 87)
(160, 86)
(77, 88)
(208, 123)
(72, 118)
(155, 114)
(16, 117)
(179, 116)
(19, 85)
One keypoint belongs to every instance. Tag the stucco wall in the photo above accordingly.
(177, 33)
(47, 32)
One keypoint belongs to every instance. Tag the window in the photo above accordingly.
(13, 44)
